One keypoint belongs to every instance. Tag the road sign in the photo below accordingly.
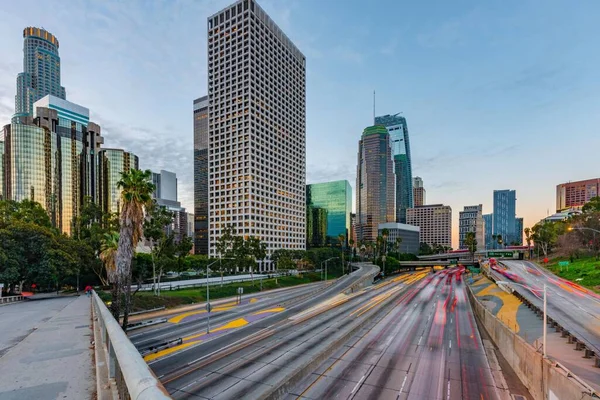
(208, 307)
(240, 290)
(509, 254)
(563, 263)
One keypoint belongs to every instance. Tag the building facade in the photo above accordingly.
(504, 219)
(576, 194)
(111, 164)
(419, 195)
(471, 220)
(336, 198)
(201, 175)
(165, 185)
(41, 70)
(519, 232)
(316, 226)
(375, 183)
(488, 224)
(257, 129)
(400, 144)
(50, 157)
(435, 221)
(165, 195)
(409, 236)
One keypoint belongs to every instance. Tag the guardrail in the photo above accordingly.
(171, 286)
(10, 299)
(127, 370)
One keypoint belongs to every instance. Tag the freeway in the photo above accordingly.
(257, 365)
(575, 308)
(180, 325)
(427, 347)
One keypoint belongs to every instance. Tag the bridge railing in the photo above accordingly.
(127, 370)
(10, 299)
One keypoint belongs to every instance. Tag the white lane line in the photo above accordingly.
(402, 387)
(448, 391)
(421, 338)
(450, 343)
(358, 384)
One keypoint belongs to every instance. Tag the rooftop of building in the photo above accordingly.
(593, 180)
(375, 130)
(40, 33)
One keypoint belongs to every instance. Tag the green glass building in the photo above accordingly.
(336, 198)
(111, 163)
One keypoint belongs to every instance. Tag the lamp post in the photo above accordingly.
(329, 259)
(208, 307)
(545, 327)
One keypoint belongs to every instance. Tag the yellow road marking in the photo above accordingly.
(253, 300)
(270, 310)
(154, 356)
(177, 319)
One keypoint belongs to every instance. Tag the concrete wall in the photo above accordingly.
(544, 379)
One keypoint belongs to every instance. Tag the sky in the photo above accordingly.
(497, 94)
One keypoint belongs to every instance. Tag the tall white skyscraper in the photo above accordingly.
(257, 129)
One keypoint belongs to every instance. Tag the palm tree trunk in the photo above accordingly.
(115, 305)
(124, 257)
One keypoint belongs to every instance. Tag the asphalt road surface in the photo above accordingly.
(257, 364)
(427, 347)
(575, 308)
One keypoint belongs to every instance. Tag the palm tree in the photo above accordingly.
(398, 243)
(136, 195)
(528, 240)
(471, 243)
(108, 254)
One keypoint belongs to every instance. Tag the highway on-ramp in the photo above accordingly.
(575, 308)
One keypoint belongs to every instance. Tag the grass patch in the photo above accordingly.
(587, 269)
(173, 298)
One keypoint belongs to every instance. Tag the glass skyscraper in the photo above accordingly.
(488, 224)
(336, 198)
(201, 175)
(400, 144)
(41, 70)
(50, 158)
(375, 194)
(111, 163)
(504, 219)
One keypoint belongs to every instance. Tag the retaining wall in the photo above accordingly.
(544, 379)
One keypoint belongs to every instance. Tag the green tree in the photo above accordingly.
(471, 243)
(592, 206)
(425, 249)
(544, 236)
(136, 190)
(342, 240)
(528, 240)
(155, 225)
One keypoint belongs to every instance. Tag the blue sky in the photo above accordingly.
(497, 94)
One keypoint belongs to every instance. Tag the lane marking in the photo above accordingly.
(358, 384)
(402, 387)
(450, 343)
(421, 338)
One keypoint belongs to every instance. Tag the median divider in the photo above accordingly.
(120, 369)
(543, 378)
(145, 323)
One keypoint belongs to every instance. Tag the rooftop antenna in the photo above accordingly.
(373, 106)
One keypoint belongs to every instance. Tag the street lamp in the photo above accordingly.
(329, 259)
(500, 283)
(208, 296)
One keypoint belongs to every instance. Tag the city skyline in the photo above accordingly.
(471, 96)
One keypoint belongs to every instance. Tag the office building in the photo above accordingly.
(256, 129)
(518, 232)
(504, 219)
(49, 157)
(2, 189)
(316, 226)
(352, 241)
(165, 185)
(201, 175)
(190, 226)
(400, 144)
(375, 183)
(418, 192)
(409, 236)
(488, 224)
(435, 221)
(41, 70)
(471, 220)
(576, 194)
(336, 198)
(111, 164)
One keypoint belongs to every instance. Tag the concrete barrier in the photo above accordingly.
(10, 299)
(543, 378)
(119, 362)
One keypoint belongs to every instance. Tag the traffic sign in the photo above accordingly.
(240, 290)
(563, 263)
(208, 307)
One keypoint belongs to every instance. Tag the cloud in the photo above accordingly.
(325, 172)
(346, 53)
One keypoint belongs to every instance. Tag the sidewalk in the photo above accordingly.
(54, 361)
